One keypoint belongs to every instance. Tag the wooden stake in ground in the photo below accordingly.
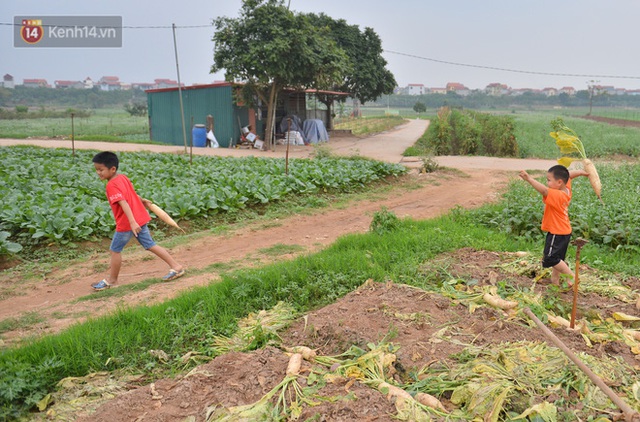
(630, 415)
(579, 242)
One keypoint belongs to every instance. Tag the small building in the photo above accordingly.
(68, 84)
(415, 89)
(569, 90)
(497, 89)
(222, 101)
(458, 88)
(165, 83)
(88, 83)
(35, 83)
(7, 81)
(109, 83)
(143, 85)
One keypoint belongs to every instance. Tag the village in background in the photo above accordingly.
(113, 83)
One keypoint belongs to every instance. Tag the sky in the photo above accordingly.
(519, 43)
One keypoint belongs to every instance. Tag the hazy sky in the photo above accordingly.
(593, 39)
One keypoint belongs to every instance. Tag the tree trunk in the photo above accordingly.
(273, 96)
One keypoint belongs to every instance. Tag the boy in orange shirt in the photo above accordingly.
(131, 220)
(555, 220)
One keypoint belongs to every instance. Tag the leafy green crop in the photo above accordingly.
(615, 224)
(50, 196)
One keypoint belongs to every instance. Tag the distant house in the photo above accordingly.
(35, 83)
(609, 89)
(143, 85)
(88, 83)
(458, 88)
(520, 91)
(633, 92)
(7, 81)
(497, 89)
(438, 90)
(109, 83)
(165, 83)
(415, 89)
(550, 92)
(68, 84)
(569, 90)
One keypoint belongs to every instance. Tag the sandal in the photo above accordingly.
(173, 274)
(101, 285)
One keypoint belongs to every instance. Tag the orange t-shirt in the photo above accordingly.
(555, 219)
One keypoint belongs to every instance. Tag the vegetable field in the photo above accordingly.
(51, 196)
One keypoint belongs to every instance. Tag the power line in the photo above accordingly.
(530, 72)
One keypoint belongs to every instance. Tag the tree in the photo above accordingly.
(269, 48)
(419, 107)
(368, 78)
(136, 109)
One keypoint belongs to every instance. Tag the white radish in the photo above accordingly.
(498, 302)
(429, 400)
(295, 362)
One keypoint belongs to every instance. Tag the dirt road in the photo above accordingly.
(53, 296)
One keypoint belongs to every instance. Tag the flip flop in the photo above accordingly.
(101, 285)
(173, 274)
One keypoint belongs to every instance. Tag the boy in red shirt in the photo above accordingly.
(555, 220)
(131, 220)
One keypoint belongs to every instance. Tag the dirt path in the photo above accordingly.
(420, 197)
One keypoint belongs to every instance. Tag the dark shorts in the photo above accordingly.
(120, 239)
(555, 249)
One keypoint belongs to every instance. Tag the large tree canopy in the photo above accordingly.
(368, 78)
(270, 47)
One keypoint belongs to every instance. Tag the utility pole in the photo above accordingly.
(592, 88)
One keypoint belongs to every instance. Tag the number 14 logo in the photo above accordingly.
(31, 31)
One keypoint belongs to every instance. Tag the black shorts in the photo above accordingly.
(555, 249)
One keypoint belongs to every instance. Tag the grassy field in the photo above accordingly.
(532, 133)
(103, 124)
(599, 139)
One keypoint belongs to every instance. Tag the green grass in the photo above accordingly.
(368, 125)
(111, 125)
(614, 113)
(280, 249)
(599, 139)
(26, 320)
(532, 133)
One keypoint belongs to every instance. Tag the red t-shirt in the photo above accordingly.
(555, 219)
(120, 188)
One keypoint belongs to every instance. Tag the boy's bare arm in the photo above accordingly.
(146, 202)
(135, 227)
(533, 182)
(577, 173)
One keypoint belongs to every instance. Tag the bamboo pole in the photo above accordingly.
(579, 242)
(629, 414)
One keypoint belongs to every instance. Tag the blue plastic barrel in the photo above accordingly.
(199, 134)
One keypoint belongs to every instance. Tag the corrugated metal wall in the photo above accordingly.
(165, 122)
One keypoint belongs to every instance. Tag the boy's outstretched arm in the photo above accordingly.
(577, 173)
(533, 182)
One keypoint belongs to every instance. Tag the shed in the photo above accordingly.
(220, 101)
(199, 101)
